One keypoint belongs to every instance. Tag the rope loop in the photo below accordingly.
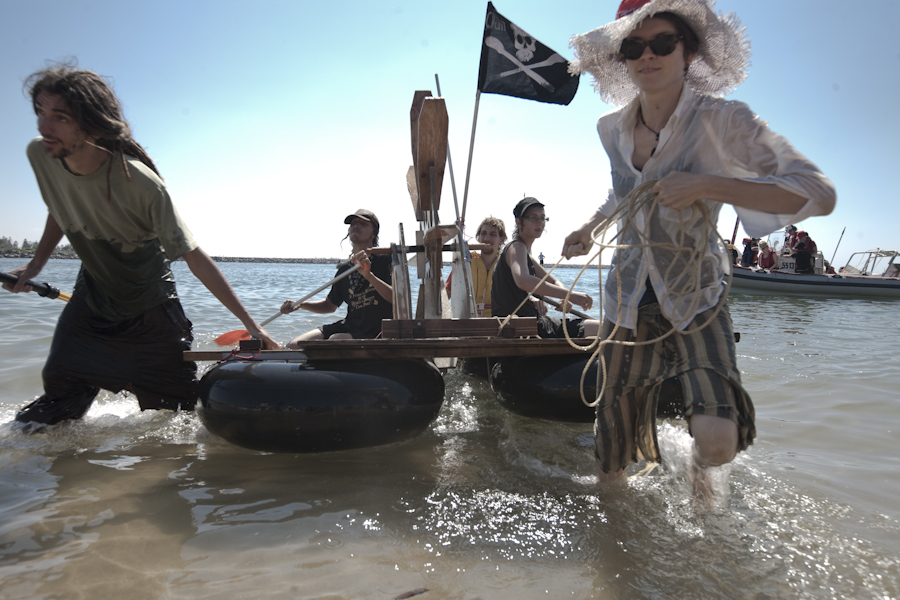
(635, 214)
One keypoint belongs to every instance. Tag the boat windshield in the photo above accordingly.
(873, 262)
(776, 241)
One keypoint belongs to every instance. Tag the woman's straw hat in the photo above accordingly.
(721, 62)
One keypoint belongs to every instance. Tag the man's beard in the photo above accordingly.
(63, 151)
(59, 153)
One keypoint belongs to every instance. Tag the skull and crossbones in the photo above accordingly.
(525, 44)
(528, 45)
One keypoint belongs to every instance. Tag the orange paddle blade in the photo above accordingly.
(232, 337)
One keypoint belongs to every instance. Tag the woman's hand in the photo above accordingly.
(679, 190)
(288, 307)
(577, 243)
(582, 300)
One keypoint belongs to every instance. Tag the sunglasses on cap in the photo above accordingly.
(662, 45)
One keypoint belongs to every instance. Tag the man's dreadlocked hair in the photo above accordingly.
(95, 109)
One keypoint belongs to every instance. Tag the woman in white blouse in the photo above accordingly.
(665, 62)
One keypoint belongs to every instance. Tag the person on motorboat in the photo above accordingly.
(518, 275)
(664, 62)
(124, 327)
(751, 250)
(802, 249)
(735, 257)
(767, 258)
(491, 231)
(367, 291)
(790, 236)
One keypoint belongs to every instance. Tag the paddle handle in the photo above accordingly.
(557, 304)
(312, 293)
(42, 289)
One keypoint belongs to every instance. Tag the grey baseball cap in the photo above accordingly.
(368, 215)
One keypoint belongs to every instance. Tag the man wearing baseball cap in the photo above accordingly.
(367, 292)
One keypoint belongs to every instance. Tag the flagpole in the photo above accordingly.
(471, 147)
(449, 160)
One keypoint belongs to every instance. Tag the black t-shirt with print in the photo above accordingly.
(365, 306)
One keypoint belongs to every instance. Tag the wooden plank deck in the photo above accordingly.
(517, 327)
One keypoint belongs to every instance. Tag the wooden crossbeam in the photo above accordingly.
(443, 328)
(411, 249)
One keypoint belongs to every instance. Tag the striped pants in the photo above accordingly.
(704, 362)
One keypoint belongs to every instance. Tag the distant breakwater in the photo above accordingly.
(223, 259)
(30, 254)
(256, 259)
(334, 261)
(242, 259)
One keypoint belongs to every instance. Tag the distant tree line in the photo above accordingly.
(7, 243)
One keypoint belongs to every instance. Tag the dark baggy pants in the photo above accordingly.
(142, 355)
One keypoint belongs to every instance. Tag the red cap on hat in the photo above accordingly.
(629, 6)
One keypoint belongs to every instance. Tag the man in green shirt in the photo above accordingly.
(124, 328)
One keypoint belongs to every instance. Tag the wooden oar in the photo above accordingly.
(557, 304)
(42, 289)
(232, 337)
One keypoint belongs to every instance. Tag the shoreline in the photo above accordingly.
(241, 259)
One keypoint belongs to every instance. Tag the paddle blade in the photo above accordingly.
(231, 338)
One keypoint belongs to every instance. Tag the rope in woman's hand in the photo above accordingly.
(635, 215)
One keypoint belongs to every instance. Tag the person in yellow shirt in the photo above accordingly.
(491, 231)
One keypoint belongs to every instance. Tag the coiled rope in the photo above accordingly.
(688, 254)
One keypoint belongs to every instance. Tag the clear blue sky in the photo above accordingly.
(272, 120)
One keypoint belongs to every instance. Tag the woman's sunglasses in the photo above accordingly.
(662, 45)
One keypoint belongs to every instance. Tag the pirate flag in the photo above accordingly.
(513, 63)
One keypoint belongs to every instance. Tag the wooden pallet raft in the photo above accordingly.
(418, 338)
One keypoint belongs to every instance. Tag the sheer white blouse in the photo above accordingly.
(709, 136)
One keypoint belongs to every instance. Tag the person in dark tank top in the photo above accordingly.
(517, 275)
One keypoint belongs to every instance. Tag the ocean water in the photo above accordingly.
(483, 505)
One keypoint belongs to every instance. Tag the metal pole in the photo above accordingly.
(836, 247)
(471, 146)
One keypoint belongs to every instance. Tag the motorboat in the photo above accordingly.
(871, 273)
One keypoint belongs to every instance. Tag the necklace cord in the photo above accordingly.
(656, 133)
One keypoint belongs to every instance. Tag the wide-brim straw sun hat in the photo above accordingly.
(719, 67)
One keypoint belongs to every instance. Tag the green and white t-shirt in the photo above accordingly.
(124, 230)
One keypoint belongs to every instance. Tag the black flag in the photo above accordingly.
(513, 63)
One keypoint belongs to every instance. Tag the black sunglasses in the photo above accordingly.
(662, 45)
